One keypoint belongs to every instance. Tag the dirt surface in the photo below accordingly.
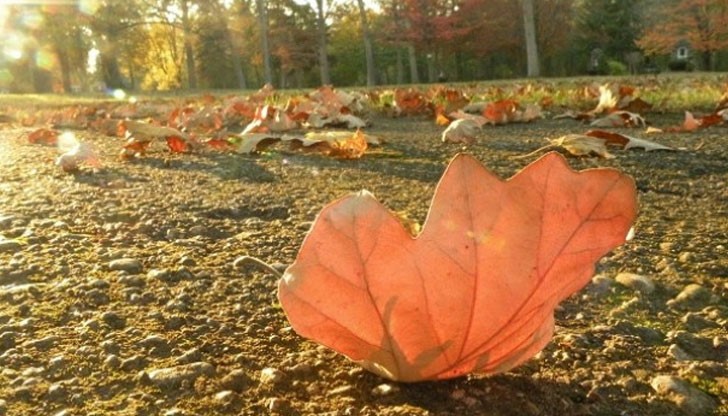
(120, 293)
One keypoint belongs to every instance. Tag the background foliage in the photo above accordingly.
(94, 45)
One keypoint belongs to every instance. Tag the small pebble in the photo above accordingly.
(271, 375)
(173, 377)
(113, 320)
(129, 265)
(678, 353)
(689, 398)
(693, 296)
(133, 363)
(638, 282)
(277, 405)
(10, 245)
(384, 390)
(236, 380)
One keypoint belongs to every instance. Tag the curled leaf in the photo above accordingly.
(461, 131)
(620, 119)
(626, 142)
(81, 153)
(476, 290)
(344, 145)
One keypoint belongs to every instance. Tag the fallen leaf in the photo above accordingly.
(80, 153)
(713, 119)
(344, 145)
(177, 144)
(626, 142)
(607, 100)
(690, 123)
(501, 112)
(635, 105)
(141, 130)
(461, 131)
(269, 119)
(529, 113)
(46, 137)
(653, 130)
(350, 121)
(218, 143)
(461, 115)
(582, 145)
(255, 142)
(475, 292)
(620, 119)
(477, 107)
(442, 120)
(409, 102)
(134, 148)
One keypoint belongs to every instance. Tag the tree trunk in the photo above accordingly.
(414, 75)
(529, 24)
(189, 51)
(235, 58)
(323, 43)
(65, 65)
(111, 74)
(262, 6)
(368, 50)
(400, 66)
(707, 60)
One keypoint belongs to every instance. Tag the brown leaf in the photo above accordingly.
(44, 136)
(582, 145)
(620, 119)
(626, 142)
(344, 145)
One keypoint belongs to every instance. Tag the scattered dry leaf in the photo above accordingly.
(620, 119)
(461, 131)
(626, 142)
(46, 137)
(582, 145)
(340, 144)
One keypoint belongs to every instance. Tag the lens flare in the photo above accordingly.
(45, 59)
(119, 94)
(88, 6)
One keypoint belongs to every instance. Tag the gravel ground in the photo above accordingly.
(124, 291)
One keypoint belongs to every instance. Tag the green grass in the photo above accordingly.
(670, 92)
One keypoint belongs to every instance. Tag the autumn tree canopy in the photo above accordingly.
(703, 24)
(193, 44)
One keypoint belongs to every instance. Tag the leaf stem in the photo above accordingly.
(548, 146)
(250, 260)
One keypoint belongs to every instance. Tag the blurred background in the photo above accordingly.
(87, 46)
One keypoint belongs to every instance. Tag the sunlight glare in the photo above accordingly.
(88, 6)
(45, 59)
(67, 141)
(119, 94)
(92, 60)
(12, 52)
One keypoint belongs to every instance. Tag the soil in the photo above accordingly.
(186, 327)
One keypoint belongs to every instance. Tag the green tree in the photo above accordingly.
(612, 26)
